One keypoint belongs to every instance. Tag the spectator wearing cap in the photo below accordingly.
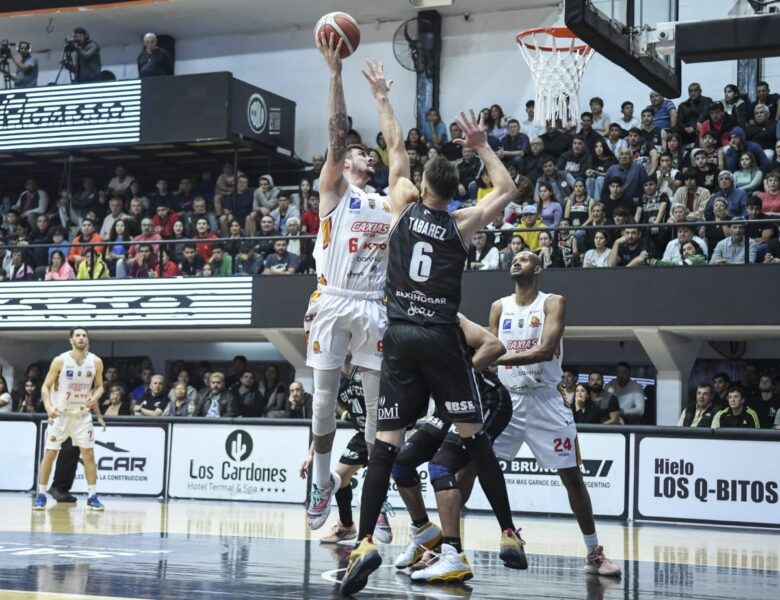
(736, 199)
(530, 220)
(630, 173)
(736, 414)
(685, 233)
(729, 156)
(248, 262)
(719, 123)
(731, 250)
(690, 111)
(692, 195)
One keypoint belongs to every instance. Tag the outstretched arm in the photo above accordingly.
(471, 220)
(402, 190)
(332, 181)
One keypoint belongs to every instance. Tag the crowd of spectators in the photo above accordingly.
(753, 402)
(184, 392)
(686, 165)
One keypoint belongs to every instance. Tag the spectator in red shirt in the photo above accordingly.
(147, 235)
(86, 235)
(163, 221)
(310, 221)
(770, 197)
(719, 123)
(202, 233)
(168, 266)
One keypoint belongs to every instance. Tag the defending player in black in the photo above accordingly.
(424, 353)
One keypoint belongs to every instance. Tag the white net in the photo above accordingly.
(557, 60)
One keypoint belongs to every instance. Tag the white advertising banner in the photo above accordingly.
(18, 471)
(536, 490)
(711, 480)
(130, 461)
(234, 462)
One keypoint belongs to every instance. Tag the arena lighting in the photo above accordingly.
(430, 3)
(71, 115)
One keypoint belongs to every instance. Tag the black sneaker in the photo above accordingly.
(61, 496)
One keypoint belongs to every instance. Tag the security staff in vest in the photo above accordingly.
(26, 67)
(701, 412)
(84, 63)
(153, 60)
(736, 414)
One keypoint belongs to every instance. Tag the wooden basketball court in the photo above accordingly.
(145, 548)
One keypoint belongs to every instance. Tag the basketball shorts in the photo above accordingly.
(423, 362)
(543, 420)
(341, 320)
(497, 406)
(356, 452)
(76, 427)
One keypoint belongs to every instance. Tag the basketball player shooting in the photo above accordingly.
(424, 350)
(73, 384)
(346, 312)
(530, 324)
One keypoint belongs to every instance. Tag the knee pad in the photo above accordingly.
(442, 479)
(326, 388)
(405, 476)
(370, 380)
(420, 447)
(383, 454)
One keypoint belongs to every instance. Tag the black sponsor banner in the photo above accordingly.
(259, 115)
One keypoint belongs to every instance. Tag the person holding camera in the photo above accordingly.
(26, 67)
(82, 57)
(153, 60)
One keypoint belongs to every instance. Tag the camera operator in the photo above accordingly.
(82, 57)
(26, 67)
(153, 60)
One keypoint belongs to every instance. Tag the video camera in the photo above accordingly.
(70, 43)
(5, 49)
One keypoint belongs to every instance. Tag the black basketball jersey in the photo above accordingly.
(351, 396)
(425, 266)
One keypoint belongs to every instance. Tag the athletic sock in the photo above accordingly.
(591, 541)
(321, 469)
(420, 522)
(91, 490)
(41, 488)
(491, 478)
(454, 542)
(344, 502)
(375, 486)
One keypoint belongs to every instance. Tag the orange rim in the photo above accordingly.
(556, 32)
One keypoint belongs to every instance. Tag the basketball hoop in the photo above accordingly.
(557, 60)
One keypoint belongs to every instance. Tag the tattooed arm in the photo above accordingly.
(332, 181)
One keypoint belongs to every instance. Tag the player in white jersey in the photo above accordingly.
(73, 385)
(530, 324)
(347, 311)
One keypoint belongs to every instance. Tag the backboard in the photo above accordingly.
(611, 28)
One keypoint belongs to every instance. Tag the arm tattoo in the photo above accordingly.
(337, 137)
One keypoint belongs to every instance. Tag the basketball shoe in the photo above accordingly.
(598, 564)
(339, 533)
(383, 532)
(40, 502)
(319, 504)
(363, 561)
(512, 551)
(450, 565)
(421, 539)
(94, 504)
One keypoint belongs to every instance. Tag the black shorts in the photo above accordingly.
(419, 362)
(356, 452)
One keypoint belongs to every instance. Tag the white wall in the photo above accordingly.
(480, 66)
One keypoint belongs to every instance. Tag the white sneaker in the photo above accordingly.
(383, 532)
(447, 567)
(420, 539)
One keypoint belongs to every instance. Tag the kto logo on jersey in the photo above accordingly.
(465, 406)
(370, 227)
(354, 203)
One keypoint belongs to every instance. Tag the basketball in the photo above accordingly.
(344, 27)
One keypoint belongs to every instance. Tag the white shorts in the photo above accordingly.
(77, 427)
(340, 320)
(543, 419)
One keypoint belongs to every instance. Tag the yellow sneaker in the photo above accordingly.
(364, 560)
(512, 551)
